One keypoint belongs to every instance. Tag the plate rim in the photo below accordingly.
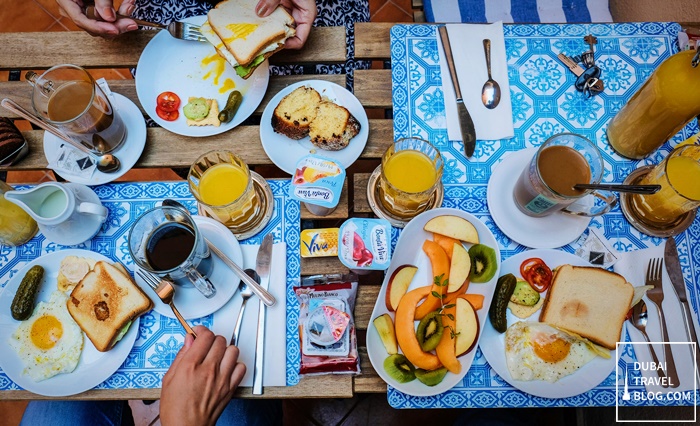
(526, 386)
(266, 126)
(380, 308)
(120, 351)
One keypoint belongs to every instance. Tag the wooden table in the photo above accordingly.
(164, 149)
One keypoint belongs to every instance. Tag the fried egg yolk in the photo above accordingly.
(46, 331)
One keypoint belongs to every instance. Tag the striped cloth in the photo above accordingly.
(521, 11)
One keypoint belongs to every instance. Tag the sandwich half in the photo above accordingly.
(243, 38)
(105, 303)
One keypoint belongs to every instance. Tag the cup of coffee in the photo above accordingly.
(165, 241)
(69, 98)
(546, 185)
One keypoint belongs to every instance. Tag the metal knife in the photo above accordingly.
(466, 124)
(262, 267)
(673, 267)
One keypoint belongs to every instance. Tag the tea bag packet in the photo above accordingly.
(597, 250)
(71, 161)
(318, 183)
(102, 83)
(326, 326)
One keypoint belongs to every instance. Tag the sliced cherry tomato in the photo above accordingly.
(167, 115)
(537, 274)
(168, 101)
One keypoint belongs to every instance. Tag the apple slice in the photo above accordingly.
(385, 328)
(398, 285)
(466, 326)
(460, 266)
(453, 227)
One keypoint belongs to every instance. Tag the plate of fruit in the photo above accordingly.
(434, 300)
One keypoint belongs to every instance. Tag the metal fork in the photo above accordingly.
(165, 291)
(656, 295)
(181, 30)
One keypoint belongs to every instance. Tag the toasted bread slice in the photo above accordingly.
(72, 270)
(333, 127)
(590, 302)
(105, 302)
(245, 34)
(295, 112)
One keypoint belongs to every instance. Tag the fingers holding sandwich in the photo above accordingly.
(303, 11)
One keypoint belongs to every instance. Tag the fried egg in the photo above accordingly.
(49, 342)
(538, 351)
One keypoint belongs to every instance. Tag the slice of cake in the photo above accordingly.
(333, 127)
(295, 112)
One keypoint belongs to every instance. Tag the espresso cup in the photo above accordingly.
(166, 242)
(546, 185)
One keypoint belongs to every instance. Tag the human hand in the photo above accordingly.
(303, 12)
(201, 380)
(110, 26)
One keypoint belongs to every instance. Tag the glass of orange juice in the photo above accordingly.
(411, 170)
(678, 174)
(222, 185)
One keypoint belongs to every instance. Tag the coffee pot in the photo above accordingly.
(67, 213)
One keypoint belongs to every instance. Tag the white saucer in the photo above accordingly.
(552, 231)
(71, 233)
(188, 300)
(128, 153)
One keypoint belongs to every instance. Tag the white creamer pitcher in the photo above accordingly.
(67, 213)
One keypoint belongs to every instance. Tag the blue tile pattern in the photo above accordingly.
(160, 337)
(544, 103)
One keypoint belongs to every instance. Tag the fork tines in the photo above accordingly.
(654, 272)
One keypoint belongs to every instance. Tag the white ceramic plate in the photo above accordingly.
(188, 300)
(552, 231)
(128, 153)
(408, 251)
(493, 343)
(286, 152)
(168, 64)
(94, 366)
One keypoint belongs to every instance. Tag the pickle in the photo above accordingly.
(499, 304)
(234, 101)
(23, 302)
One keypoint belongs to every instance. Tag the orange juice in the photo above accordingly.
(410, 171)
(678, 176)
(660, 108)
(222, 184)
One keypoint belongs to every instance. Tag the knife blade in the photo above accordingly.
(466, 124)
(675, 273)
(262, 267)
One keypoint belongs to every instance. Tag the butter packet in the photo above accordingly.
(319, 242)
(318, 183)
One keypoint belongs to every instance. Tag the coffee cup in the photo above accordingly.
(166, 242)
(546, 185)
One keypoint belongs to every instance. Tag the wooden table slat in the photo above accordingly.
(369, 381)
(360, 181)
(372, 40)
(364, 304)
(373, 88)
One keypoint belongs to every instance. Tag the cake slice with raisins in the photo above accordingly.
(333, 127)
(295, 112)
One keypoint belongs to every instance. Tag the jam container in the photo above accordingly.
(318, 183)
(319, 242)
(365, 244)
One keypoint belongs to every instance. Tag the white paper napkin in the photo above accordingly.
(466, 41)
(633, 266)
(275, 363)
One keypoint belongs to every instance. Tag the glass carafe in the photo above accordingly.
(16, 226)
(667, 101)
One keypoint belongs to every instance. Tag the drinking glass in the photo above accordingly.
(545, 186)
(69, 98)
(16, 226)
(223, 187)
(411, 171)
(155, 231)
(679, 175)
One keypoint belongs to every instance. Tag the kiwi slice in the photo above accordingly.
(399, 369)
(431, 378)
(429, 331)
(484, 263)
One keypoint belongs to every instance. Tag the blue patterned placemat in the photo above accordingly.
(544, 103)
(160, 337)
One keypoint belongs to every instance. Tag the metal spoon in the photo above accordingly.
(634, 189)
(491, 92)
(106, 163)
(246, 293)
(639, 321)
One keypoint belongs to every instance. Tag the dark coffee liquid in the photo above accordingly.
(169, 246)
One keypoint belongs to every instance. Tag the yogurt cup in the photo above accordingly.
(318, 183)
(365, 244)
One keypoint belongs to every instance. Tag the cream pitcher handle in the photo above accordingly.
(92, 208)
